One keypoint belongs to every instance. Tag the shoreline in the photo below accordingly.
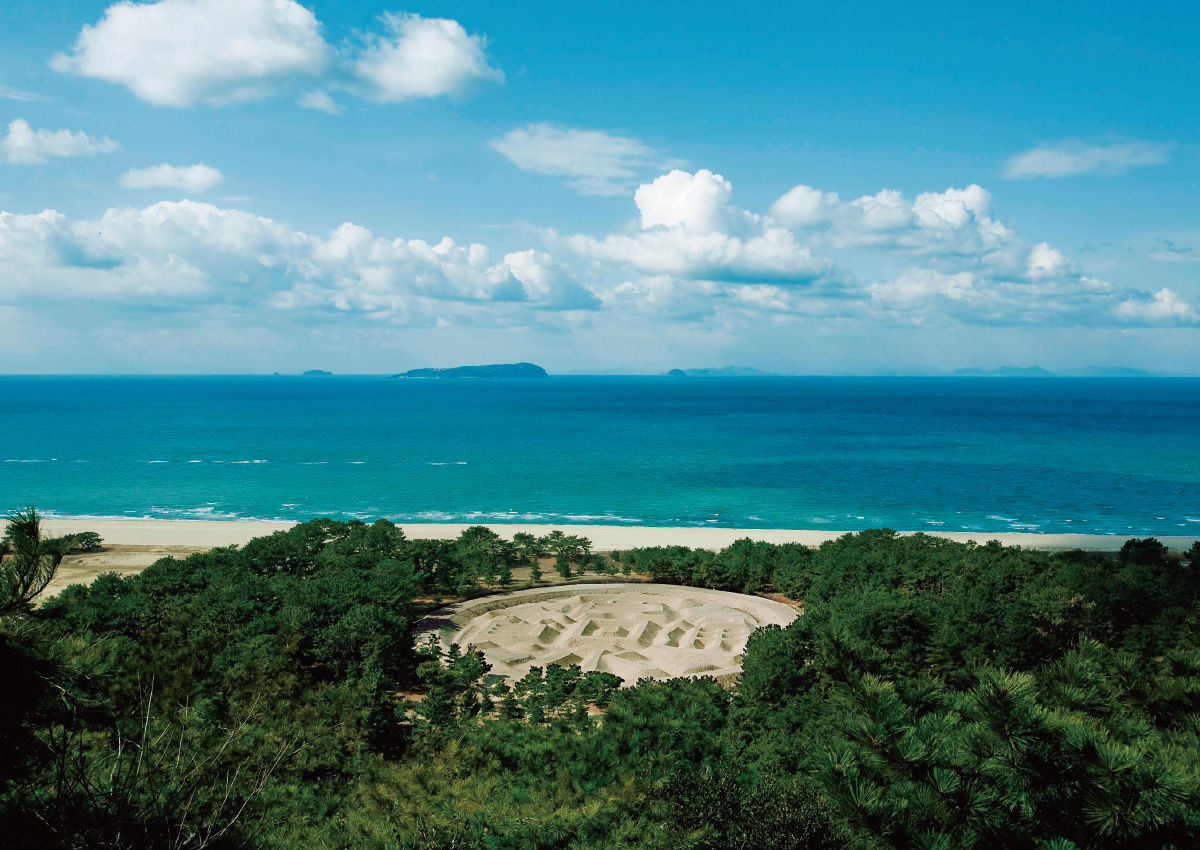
(197, 534)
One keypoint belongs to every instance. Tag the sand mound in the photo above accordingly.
(635, 631)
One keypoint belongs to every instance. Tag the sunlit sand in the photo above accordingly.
(635, 631)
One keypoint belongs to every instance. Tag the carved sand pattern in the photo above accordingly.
(635, 631)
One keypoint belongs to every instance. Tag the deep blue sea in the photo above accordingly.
(1118, 456)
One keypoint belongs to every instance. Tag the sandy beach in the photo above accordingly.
(203, 534)
(131, 545)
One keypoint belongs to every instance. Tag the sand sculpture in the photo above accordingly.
(635, 631)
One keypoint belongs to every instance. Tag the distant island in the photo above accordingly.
(495, 370)
(316, 373)
(1004, 372)
(717, 372)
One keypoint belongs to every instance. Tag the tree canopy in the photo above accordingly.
(932, 695)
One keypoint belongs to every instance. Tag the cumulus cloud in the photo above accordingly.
(689, 258)
(24, 145)
(1162, 308)
(190, 253)
(697, 254)
(804, 206)
(1045, 262)
(546, 282)
(688, 229)
(956, 221)
(423, 57)
(931, 296)
(179, 53)
(697, 202)
(918, 287)
(1067, 159)
(594, 161)
(190, 178)
(878, 213)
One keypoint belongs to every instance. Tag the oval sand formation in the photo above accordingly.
(635, 631)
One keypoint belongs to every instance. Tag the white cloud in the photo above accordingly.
(699, 255)
(1045, 262)
(773, 256)
(956, 221)
(689, 230)
(1164, 307)
(804, 206)
(423, 57)
(930, 296)
(696, 202)
(886, 210)
(188, 253)
(181, 52)
(7, 93)
(953, 208)
(690, 262)
(320, 101)
(596, 162)
(546, 282)
(918, 287)
(190, 178)
(25, 146)
(1067, 159)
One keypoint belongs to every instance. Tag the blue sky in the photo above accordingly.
(260, 185)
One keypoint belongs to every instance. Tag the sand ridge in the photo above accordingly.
(633, 630)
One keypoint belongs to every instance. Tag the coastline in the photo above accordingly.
(200, 534)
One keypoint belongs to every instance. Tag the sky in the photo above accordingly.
(248, 186)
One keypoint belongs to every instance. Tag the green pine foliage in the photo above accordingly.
(932, 695)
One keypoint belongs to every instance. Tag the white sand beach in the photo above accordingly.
(131, 545)
(202, 534)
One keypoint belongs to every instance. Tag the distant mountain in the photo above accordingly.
(316, 373)
(1124, 372)
(495, 370)
(1004, 372)
(718, 372)
(1127, 372)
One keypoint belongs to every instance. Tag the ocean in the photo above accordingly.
(1108, 456)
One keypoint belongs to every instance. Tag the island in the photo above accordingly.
(316, 373)
(495, 370)
(718, 372)
(1004, 372)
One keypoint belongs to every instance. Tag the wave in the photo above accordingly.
(299, 512)
(542, 518)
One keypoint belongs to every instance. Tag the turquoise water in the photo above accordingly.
(1084, 455)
